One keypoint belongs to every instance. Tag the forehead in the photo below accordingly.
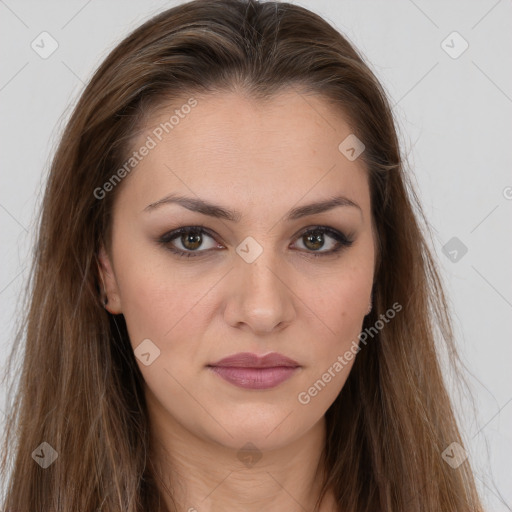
(233, 146)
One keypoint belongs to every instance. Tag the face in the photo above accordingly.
(258, 273)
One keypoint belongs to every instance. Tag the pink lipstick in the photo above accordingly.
(251, 371)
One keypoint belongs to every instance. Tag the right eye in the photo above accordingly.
(189, 237)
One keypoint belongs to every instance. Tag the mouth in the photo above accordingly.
(250, 371)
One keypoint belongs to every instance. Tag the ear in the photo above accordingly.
(108, 283)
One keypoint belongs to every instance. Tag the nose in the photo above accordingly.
(261, 298)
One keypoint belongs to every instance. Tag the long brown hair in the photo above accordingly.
(78, 387)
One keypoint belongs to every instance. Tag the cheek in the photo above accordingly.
(338, 307)
(341, 296)
(334, 350)
(337, 323)
(161, 300)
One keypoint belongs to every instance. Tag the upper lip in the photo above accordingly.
(249, 360)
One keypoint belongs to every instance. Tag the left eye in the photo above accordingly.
(314, 239)
(191, 239)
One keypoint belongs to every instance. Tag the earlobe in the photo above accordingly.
(110, 298)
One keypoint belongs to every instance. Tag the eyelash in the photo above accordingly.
(342, 239)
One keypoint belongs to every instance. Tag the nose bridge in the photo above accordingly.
(262, 296)
(262, 276)
(259, 271)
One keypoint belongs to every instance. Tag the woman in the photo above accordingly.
(233, 306)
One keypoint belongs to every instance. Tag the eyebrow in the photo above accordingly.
(213, 210)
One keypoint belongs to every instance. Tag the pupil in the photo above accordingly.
(316, 240)
(193, 239)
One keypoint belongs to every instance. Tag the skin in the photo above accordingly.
(261, 159)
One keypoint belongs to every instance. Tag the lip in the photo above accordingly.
(249, 360)
(250, 371)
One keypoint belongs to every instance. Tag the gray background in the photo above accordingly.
(454, 121)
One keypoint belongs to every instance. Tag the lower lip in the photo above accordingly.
(255, 378)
